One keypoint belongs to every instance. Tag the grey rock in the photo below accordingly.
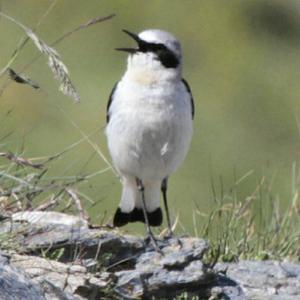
(107, 245)
(15, 284)
(265, 280)
(49, 217)
(180, 267)
(69, 260)
(62, 281)
(134, 268)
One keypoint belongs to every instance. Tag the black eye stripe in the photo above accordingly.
(152, 47)
(164, 55)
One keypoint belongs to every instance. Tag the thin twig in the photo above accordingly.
(82, 26)
(93, 145)
(83, 214)
(21, 161)
(49, 204)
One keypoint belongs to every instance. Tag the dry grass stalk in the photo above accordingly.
(83, 214)
(58, 68)
(20, 160)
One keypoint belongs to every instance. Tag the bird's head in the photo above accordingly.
(156, 51)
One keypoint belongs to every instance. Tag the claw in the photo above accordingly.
(150, 239)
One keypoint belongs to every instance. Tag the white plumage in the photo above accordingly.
(150, 122)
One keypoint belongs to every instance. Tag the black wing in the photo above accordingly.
(111, 97)
(191, 96)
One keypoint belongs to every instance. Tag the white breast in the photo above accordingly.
(150, 128)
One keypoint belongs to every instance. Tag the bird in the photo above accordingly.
(149, 127)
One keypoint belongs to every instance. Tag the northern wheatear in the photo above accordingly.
(149, 126)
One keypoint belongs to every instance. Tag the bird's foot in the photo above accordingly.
(170, 237)
(150, 239)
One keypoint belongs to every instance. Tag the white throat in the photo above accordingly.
(144, 69)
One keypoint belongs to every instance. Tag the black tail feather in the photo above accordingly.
(120, 219)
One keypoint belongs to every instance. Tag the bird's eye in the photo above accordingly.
(151, 47)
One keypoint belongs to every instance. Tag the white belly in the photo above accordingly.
(149, 131)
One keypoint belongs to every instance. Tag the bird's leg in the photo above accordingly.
(150, 235)
(164, 187)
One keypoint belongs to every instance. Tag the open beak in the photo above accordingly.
(136, 38)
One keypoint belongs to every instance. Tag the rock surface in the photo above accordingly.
(62, 281)
(65, 259)
(270, 280)
(48, 218)
(15, 284)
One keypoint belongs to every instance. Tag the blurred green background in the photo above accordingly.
(241, 58)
